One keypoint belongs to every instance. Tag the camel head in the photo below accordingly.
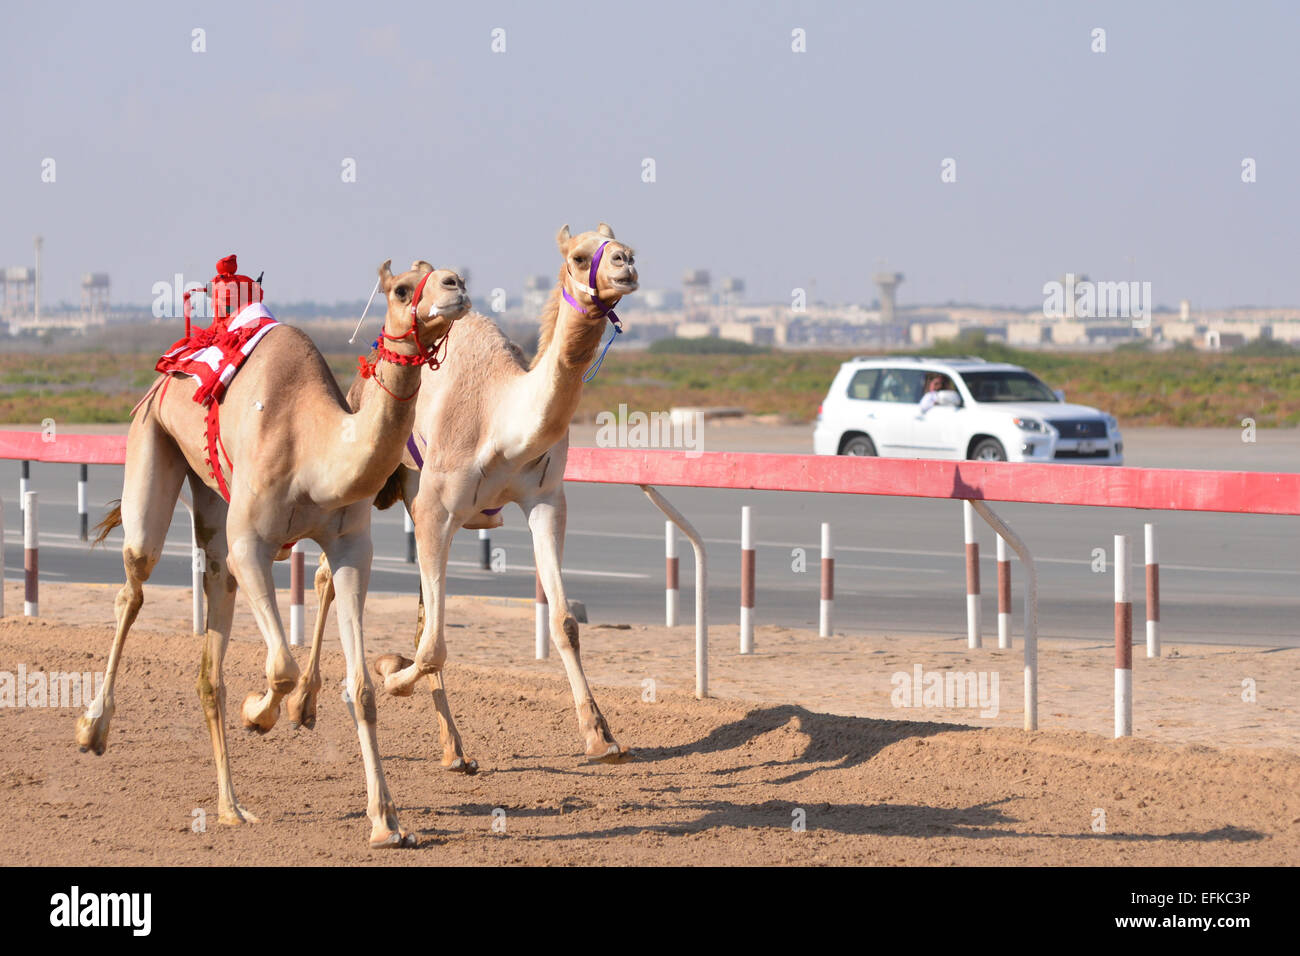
(423, 303)
(614, 277)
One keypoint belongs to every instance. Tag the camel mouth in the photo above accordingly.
(625, 286)
(453, 309)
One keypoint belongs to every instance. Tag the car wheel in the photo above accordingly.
(990, 449)
(859, 445)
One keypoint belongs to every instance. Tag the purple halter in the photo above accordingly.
(606, 310)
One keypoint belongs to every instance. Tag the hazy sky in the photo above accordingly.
(784, 168)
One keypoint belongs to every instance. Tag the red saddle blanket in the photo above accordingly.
(213, 355)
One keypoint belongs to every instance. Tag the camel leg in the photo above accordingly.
(251, 559)
(434, 528)
(219, 587)
(155, 468)
(546, 520)
(301, 703)
(349, 558)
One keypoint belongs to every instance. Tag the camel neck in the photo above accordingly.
(368, 443)
(556, 380)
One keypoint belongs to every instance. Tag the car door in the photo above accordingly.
(935, 431)
(894, 401)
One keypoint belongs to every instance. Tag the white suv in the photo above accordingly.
(982, 410)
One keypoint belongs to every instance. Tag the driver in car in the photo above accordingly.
(934, 384)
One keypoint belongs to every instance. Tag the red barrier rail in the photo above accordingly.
(1165, 489)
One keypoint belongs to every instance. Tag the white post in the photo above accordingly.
(541, 621)
(972, 577)
(701, 589)
(1153, 593)
(83, 512)
(297, 572)
(31, 578)
(23, 477)
(1004, 594)
(1031, 609)
(484, 550)
(672, 582)
(825, 619)
(408, 529)
(1123, 641)
(747, 576)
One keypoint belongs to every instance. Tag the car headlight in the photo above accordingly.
(1112, 423)
(1032, 425)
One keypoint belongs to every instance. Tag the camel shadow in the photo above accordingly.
(834, 742)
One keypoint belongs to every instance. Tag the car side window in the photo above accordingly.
(900, 385)
(864, 380)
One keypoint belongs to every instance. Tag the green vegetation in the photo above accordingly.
(1141, 387)
(706, 346)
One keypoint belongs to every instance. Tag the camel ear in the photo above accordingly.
(420, 266)
(562, 237)
(605, 231)
(386, 275)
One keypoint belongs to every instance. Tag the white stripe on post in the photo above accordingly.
(23, 476)
(972, 577)
(672, 583)
(297, 571)
(825, 622)
(1004, 594)
(82, 511)
(747, 575)
(484, 550)
(408, 528)
(1153, 593)
(31, 581)
(1123, 641)
(541, 621)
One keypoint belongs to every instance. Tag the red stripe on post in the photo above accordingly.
(296, 568)
(671, 574)
(828, 579)
(973, 568)
(31, 575)
(1124, 636)
(747, 569)
(1153, 592)
(538, 594)
(1004, 587)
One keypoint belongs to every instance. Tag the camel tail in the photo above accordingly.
(108, 523)
(391, 493)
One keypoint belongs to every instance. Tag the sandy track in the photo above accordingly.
(716, 781)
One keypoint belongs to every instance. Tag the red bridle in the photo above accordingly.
(432, 356)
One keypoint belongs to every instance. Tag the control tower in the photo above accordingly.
(888, 283)
(94, 297)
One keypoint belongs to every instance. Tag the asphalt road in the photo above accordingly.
(899, 561)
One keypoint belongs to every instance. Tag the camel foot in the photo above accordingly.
(92, 733)
(382, 838)
(234, 816)
(301, 704)
(257, 716)
(389, 667)
(462, 765)
(607, 752)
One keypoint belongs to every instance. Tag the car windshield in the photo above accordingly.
(1007, 387)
